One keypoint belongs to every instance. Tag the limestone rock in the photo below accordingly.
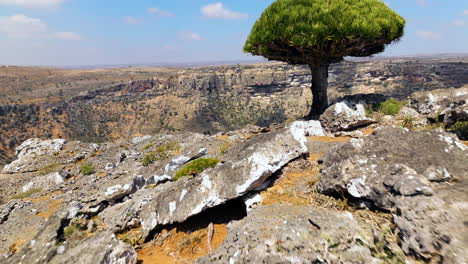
(294, 234)
(246, 168)
(30, 149)
(344, 116)
(47, 182)
(456, 114)
(432, 103)
(102, 248)
(35, 154)
(407, 173)
(310, 128)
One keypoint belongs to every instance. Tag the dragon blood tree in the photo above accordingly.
(321, 32)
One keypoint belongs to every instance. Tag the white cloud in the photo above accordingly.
(458, 22)
(21, 26)
(189, 35)
(169, 47)
(131, 20)
(68, 36)
(465, 12)
(426, 34)
(217, 10)
(158, 12)
(33, 3)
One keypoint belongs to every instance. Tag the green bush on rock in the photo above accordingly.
(196, 167)
(87, 169)
(163, 151)
(390, 107)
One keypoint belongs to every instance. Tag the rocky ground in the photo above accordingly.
(374, 181)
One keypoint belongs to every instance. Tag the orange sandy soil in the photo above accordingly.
(368, 130)
(53, 205)
(283, 191)
(465, 142)
(181, 247)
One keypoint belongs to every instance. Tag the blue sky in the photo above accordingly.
(88, 32)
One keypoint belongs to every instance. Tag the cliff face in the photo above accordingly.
(211, 99)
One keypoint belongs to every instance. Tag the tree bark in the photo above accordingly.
(319, 91)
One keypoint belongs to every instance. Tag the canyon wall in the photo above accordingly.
(211, 99)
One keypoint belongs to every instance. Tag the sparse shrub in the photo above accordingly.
(163, 151)
(87, 169)
(432, 126)
(234, 110)
(69, 230)
(408, 122)
(461, 126)
(225, 147)
(149, 158)
(370, 108)
(27, 193)
(188, 241)
(390, 107)
(147, 146)
(49, 168)
(129, 238)
(196, 167)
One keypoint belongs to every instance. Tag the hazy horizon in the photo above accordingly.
(65, 33)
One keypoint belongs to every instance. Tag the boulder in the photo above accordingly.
(345, 116)
(310, 128)
(31, 149)
(101, 248)
(432, 103)
(36, 154)
(455, 114)
(247, 167)
(47, 182)
(420, 176)
(294, 234)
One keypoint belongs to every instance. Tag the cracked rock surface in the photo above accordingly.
(419, 176)
(294, 234)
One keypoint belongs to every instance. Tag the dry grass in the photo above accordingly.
(181, 247)
(331, 139)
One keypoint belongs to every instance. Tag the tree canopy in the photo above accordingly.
(318, 32)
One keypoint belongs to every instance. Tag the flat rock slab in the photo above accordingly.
(294, 234)
(247, 167)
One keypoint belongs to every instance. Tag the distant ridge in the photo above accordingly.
(447, 57)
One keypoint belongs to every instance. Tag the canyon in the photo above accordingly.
(114, 104)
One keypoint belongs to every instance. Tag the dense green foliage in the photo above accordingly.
(390, 107)
(317, 32)
(196, 167)
(87, 169)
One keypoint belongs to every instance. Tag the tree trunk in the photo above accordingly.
(319, 91)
